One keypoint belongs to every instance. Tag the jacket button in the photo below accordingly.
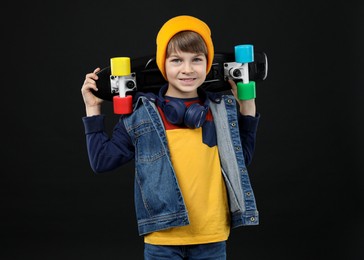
(252, 219)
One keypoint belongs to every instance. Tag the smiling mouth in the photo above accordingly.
(188, 79)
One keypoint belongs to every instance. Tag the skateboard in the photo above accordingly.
(125, 76)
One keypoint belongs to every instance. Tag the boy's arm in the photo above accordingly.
(92, 103)
(106, 154)
(248, 128)
(248, 123)
(247, 107)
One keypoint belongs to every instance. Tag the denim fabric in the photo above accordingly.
(141, 136)
(242, 203)
(212, 251)
(158, 199)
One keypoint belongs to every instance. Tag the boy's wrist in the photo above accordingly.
(247, 107)
(93, 110)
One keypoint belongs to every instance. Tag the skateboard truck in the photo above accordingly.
(239, 70)
(121, 82)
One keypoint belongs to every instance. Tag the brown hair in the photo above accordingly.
(187, 41)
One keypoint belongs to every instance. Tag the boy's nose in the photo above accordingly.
(187, 68)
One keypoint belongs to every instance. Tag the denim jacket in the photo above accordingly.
(159, 203)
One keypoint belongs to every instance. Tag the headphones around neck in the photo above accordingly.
(177, 113)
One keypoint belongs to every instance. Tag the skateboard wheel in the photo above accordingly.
(123, 105)
(246, 91)
(120, 66)
(244, 53)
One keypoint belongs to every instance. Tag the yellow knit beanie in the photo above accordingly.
(176, 25)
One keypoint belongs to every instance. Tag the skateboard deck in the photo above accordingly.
(148, 78)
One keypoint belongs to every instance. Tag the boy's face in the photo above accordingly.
(185, 72)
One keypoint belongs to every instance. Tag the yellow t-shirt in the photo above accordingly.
(199, 176)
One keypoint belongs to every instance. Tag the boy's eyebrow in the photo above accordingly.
(199, 54)
(174, 54)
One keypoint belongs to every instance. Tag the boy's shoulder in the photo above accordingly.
(144, 95)
(217, 97)
(142, 99)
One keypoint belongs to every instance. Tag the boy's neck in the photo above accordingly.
(183, 95)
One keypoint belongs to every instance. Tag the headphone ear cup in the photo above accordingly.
(174, 111)
(195, 116)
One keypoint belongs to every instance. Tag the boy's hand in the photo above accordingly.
(92, 103)
(247, 107)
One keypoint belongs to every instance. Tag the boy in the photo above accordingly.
(191, 149)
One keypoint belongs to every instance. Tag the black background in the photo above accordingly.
(307, 171)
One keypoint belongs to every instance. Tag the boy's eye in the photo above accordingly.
(197, 59)
(176, 60)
